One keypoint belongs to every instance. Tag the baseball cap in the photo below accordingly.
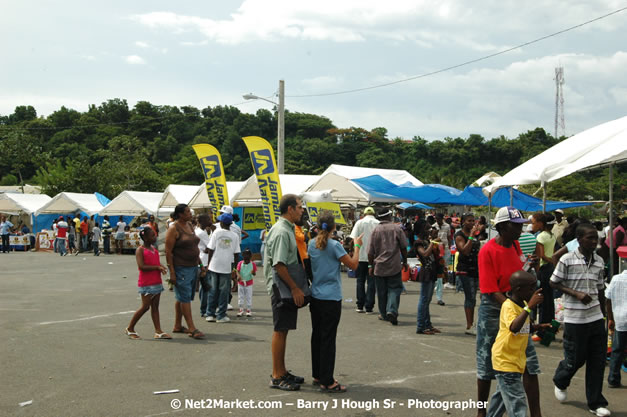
(225, 218)
(385, 214)
(559, 211)
(226, 209)
(509, 214)
(369, 210)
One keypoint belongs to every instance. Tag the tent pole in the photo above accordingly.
(489, 215)
(611, 218)
(543, 197)
(511, 196)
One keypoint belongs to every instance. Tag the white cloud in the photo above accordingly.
(134, 60)
(142, 44)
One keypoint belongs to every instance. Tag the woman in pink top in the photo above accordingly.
(149, 283)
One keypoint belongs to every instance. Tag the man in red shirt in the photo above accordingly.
(85, 232)
(498, 260)
(62, 227)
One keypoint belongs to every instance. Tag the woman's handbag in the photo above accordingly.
(297, 273)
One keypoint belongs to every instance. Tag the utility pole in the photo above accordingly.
(281, 128)
(559, 101)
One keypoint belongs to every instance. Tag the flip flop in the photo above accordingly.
(197, 334)
(162, 336)
(131, 335)
(181, 330)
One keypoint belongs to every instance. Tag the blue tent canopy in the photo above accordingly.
(471, 196)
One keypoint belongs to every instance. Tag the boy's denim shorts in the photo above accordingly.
(151, 289)
(185, 286)
(487, 329)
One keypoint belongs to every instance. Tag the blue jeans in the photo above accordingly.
(219, 294)
(204, 295)
(619, 344)
(61, 246)
(487, 329)
(438, 288)
(509, 393)
(84, 243)
(389, 294)
(426, 294)
(469, 284)
(106, 244)
(365, 298)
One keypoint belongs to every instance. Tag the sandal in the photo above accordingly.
(183, 329)
(428, 331)
(294, 378)
(283, 384)
(335, 388)
(131, 335)
(197, 334)
(435, 330)
(162, 336)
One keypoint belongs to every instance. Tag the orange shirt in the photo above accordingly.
(300, 242)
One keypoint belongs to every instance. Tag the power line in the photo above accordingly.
(483, 58)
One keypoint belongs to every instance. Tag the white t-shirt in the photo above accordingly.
(224, 244)
(202, 245)
(365, 226)
(233, 228)
(121, 226)
(617, 292)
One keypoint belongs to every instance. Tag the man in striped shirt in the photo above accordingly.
(579, 275)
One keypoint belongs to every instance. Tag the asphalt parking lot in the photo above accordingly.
(63, 346)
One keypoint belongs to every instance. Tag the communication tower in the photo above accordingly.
(559, 101)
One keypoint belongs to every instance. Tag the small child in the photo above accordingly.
(95, 239)
(149, 283)
(616, 302)
(245, 272)
(508, 351)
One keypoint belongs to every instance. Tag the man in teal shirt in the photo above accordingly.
(279, 252)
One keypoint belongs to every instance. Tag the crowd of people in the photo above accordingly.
(519, 274)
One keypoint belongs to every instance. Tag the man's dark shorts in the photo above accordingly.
(284, 315)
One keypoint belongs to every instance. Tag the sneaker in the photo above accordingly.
(360, 310)
(224, 319)
(472, 331)
(369, 312)
(449, 286)
(601, 412)
(240, 313)
(614, 385)
(229, 307)
(441, 303)
(249, 313)
(560, 395)
(75, 253)
(211, 318)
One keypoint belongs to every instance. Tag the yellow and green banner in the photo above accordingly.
(315, 208)
(265, 168)
(215, 180)
(253, 218)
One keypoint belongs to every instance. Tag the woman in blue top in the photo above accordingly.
(326, 303)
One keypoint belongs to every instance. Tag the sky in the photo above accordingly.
(74, 53)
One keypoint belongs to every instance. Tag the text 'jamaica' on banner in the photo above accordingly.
(264, 165)
(215, 180)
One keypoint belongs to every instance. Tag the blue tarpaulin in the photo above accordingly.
(471, 196)
(406, 206)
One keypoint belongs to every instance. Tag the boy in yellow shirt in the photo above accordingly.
(508, 350)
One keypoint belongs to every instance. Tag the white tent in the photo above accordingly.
(600, 145)
(133, 203)
(26, 189)
(249, 195)
(71, 202)
(338, 178)
(13, 203)
(201, 199)
(176, 194)
(486, 179)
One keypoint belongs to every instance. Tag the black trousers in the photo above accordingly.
(325, 317)
(546, 310)
(584, 344)
(5, 243)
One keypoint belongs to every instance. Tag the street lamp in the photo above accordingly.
(281, 122)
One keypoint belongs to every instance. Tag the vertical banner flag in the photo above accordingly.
(264, 165)
(215, 180)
